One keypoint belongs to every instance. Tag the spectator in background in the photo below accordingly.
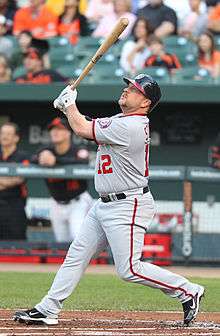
(5, 71)
(71, 23)
(55, 6)
(98, 9)
(36, 72)
(209, 57)
(6, 45)
(159, 57)
(8, 9)
(13, 191)
(37, 19)
(214, 153)
(121, 9)
(195, 22)
(70, 199)
(214, 19)
(26, 41)
(136, 51)
(162, 19)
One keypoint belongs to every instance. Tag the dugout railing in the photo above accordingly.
(187, 228)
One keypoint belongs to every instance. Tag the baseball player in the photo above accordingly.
(70, 199)
(125, 208)
(214, 153)
(13, 189)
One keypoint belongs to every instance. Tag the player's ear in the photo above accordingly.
(146, 103)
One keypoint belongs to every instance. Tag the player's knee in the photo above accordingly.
(130, 272)
(125, 273)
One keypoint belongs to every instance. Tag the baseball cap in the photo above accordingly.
(2, 20)
(60, 123)
(33, 53)
(146, 85)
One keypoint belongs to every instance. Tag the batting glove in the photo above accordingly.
(59, 105)
(66, 98)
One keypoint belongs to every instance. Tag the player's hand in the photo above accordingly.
(46, 158)
(66, 98)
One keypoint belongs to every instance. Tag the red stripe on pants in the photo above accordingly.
(131, 257)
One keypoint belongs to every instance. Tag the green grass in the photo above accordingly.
(97, 292)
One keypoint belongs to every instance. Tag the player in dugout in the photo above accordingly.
(13, 191)
(214, 153)
(70, 198)
(124, 211)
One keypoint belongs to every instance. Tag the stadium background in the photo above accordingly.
(182, 129)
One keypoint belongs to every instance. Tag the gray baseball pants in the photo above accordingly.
(122, 225)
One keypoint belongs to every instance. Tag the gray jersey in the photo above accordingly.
(123, 153)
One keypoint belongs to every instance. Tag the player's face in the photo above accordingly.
(131, 99)
(59, 135)
(8, 136)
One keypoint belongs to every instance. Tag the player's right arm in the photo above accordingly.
(66, 102)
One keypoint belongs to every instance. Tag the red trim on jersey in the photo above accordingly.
(132, 252)
(134, 114)
(146, 160)
(93, 131)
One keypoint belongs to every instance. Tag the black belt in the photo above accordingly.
(120, 196)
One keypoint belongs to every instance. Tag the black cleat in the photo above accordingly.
(191, 307)
(33, 316)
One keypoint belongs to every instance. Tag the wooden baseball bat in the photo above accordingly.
(107, 43)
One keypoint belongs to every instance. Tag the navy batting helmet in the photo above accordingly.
(148, 86)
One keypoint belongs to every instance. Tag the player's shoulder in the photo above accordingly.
(135, 119)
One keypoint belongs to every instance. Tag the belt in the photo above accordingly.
(114, 197)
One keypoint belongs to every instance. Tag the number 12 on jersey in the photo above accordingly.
(105, 163)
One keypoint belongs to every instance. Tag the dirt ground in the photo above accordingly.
(106, 323)
(203, 272)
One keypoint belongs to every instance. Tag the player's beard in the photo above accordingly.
(122, 100)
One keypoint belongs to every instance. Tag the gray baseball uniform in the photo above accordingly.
(121, 178)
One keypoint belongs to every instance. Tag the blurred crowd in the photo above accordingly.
(28, 26)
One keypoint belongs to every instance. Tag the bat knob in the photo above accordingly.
(124, 21)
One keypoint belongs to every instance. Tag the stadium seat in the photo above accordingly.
(217, 42)
(61, 55)
(193, 73)
(108, 73)
(57, 41)
(186, 58)
(158, 73)
(87, 46)
(13, 39)
(67, 70)
(177, 41)
(19, 71)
